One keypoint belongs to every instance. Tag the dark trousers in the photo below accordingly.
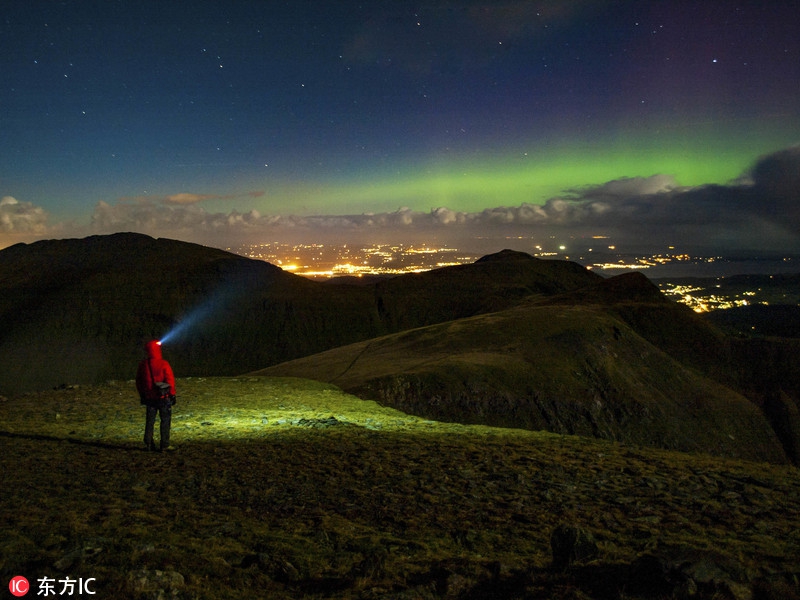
(165, 413)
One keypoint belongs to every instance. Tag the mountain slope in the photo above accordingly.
(575, 369)
(78, 311)
(285, 488)
(492, 283)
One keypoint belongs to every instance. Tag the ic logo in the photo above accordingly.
(19, 586)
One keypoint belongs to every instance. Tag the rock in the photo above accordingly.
(87, 549)
(319, 423)
(571, 544)
(161, 584)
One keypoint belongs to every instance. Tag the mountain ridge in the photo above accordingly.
(617, 353)
(580, 372)
(97, 299)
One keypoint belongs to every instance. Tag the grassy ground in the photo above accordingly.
(285, 488)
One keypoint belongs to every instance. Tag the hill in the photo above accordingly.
(613, 359)
(509, 338)
(575, 370)
(78, 311)
(285, 488)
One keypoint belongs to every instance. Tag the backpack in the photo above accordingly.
(163, 391)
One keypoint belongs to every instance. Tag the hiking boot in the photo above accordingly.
(169, 449)
(151, 447)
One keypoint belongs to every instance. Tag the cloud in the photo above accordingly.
(776, 183)
(757, 212)
(189, 198)
(155, 218)
(630, 186)
(21, 217)
(779, 173)
(760, 211)
(185, 198)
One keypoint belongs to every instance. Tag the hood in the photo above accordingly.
(153, 349)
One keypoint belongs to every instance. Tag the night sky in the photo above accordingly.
(651, 122)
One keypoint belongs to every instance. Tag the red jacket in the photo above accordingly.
(152, 369)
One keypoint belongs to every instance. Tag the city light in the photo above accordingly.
(318, 261)
(326, 261)
(702, 300)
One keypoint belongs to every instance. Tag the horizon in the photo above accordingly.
(324, 261)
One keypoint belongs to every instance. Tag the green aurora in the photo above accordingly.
(517, 176)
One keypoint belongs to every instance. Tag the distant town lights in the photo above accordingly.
(323, 261)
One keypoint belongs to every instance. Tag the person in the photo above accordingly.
(153, 370)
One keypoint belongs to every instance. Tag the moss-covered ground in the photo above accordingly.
(287, 488)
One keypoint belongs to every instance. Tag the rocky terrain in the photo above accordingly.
(287, 488)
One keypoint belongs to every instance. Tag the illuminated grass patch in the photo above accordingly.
(208, 409)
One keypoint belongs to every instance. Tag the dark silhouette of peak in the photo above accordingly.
(106, 294)
(506, 255)
(635, 285)
(119, 252)
(628, 287)
(487, 285)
